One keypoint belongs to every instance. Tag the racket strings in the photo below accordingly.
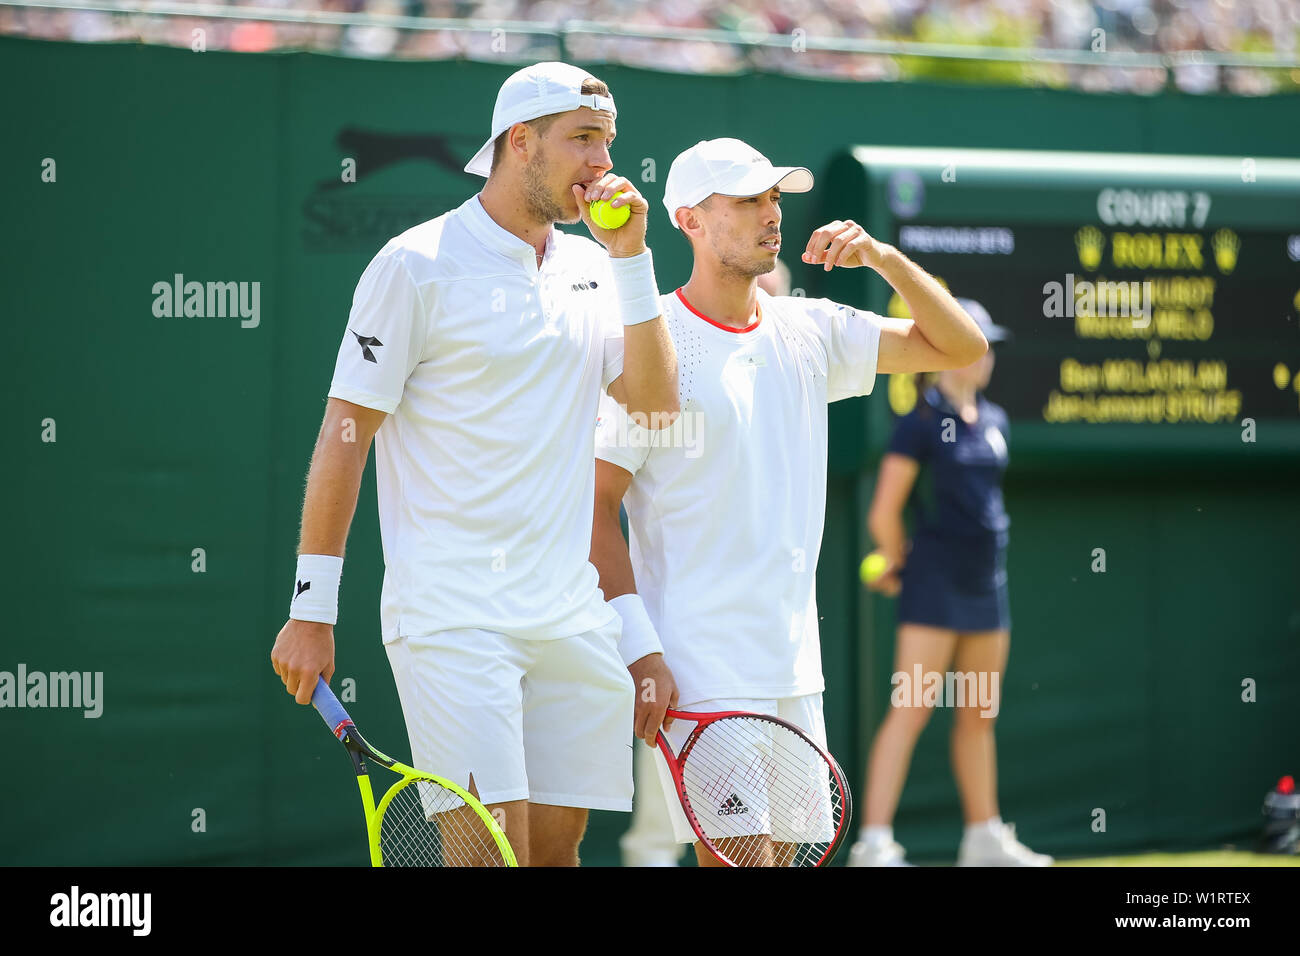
(762, 794)
(425, 824)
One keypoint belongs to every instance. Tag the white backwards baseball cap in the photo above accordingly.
(537, 90)
(728, 167)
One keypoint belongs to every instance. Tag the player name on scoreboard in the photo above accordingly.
(1121, 325)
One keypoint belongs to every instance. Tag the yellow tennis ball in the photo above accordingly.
(607, 216)
(872, 567)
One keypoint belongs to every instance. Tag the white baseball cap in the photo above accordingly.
(728, 167)
(537, 90)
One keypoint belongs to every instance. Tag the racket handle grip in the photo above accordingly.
(328, 706)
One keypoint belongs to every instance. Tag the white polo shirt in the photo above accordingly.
(726, 507)
(490, 370)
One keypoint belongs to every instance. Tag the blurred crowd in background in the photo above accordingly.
(1110, 26)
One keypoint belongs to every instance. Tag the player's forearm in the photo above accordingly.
(936, 314)
(333, 484)
(888, 533)
(650, 374)
(609, 555)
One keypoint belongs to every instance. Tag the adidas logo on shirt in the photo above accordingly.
(731, 806)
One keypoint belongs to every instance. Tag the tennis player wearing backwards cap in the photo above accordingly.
(475, 353)
(717, 594)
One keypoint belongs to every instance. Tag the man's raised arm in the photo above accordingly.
(647, 387)
(940, 335)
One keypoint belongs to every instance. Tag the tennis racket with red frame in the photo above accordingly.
(758, 791)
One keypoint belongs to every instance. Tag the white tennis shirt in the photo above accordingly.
(491, 370)
(725, 509)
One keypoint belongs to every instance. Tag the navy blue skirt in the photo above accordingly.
(958, 583)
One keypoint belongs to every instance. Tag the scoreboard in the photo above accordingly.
(1153, 301)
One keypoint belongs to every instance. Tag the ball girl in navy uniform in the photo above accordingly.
(946, 457)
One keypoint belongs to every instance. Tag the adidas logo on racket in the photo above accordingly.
(801, 809)
(732, 806)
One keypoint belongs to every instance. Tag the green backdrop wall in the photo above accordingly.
(173, 434)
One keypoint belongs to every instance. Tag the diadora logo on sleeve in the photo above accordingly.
(366, 341)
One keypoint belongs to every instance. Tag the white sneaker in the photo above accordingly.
(877, 854)
(1000, 848)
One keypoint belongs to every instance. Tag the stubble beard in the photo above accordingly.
(737, 266)
(538, 198)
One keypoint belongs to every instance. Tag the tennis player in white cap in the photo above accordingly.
(725, 508)
(475, 353)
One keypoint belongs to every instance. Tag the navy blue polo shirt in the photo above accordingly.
(959, 492)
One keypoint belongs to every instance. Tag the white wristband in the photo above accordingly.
(639, 636)
(316, 588)
(638, 293)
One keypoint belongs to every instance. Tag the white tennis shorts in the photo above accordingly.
(745, 804)
(544, 721)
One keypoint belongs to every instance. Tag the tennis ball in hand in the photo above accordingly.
(607, 216)
(872, 567)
